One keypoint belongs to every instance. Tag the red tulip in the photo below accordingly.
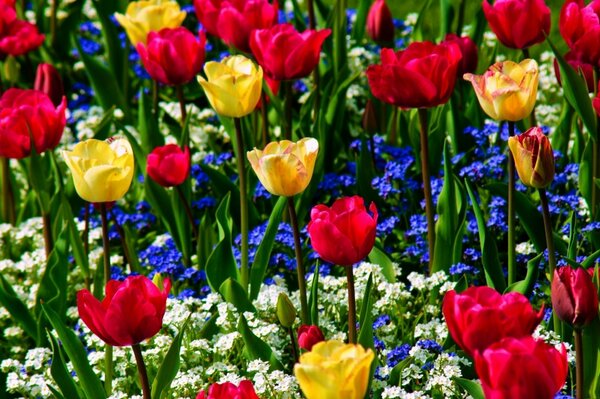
(380, 25)
(521, 368)
(468, 49)
(345, 233)
(286, 54)
(234, 20)
(309, 335)
(518, 24)
(17, 37)
(172, 56)
(574, 296)
(48, 80)
(581, 67)
(596, 105)
(169, 165)
(25, 114)
(480, 316)
(421, 76)
(131, 311)
(245, 390)
(579, 25)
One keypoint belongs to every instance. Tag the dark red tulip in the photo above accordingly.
(227, 390)
(596, 105)
(518, 24)
(131, 312)
(579, 25)
(172, 56)
(468, 49)
(422, 76)
(521, 368)
(574, 296)
(168, 165)
(480, 316)
(345, 233)
(234, 20)
(380, 25)
(25, 114)
(309, 335)
(286, 54)
(48, 80)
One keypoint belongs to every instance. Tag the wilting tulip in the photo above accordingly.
(19, 37)
(533, 157)
(468, 49)
(345, 233)
(227, 390)
(131, 311)
(574, 296)
(48, 80)
(521, 368)
(580, 27)
(172, 56)
(168, 165)
(480, 316)
(234, 85)
(309, 336)
(286, 54)
(518, 24)
(143, 17)
(507, 90)
(333, 369)
(380, 25)
(422, 76)
(26, 114)
(284, 167)
(102, 170)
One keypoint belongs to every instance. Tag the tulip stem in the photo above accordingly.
(188, 210)
(155, 97)
(265, 119)
(299, 264)
(53, 12)
(579, 363)
(8, 199)
(287, 109)
(108, 369)
(293, 342)
(139, 359)
(427, 185)
(512, 256)
(548, 231)
(108, 350)
(85, 238)
(181, 98)
(47, 226)
(351, 305)
(241, 166)
(311, 14)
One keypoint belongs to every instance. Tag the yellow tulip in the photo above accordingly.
(284, 167)
(334, 370)
(234, 85)
(507, 90)
(102, 170)
(534, 158)
(143, 17)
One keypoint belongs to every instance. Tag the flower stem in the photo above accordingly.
(188, 210)
(579, 363)
(108, 350)
(85, 237)
(48, 241)
(311, 14)
(351, 305)
(427, 185)
(287, 109)
(181, 98)
(512, 255)
(108, 369)
(294, 349)
(299, 264)
(548, 231)
(139, 359)
(8, 199)
(155, 97)
(241, 166)
(265, 119)
(53, 12)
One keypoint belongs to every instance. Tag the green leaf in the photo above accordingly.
(462, 284)
(170, 365)
(263, 253)
(586, 172)
(591, 360)
(396, 373)
(525, 286)
(379, 257)
(79, 254)
(150, 134)
(471, 387)
(60, 373)
(590, 260)
(17, 309)
(365, 172)
(491, 265)
(235, 294)
(221, 263)
(365, 336)
(90, 383)
(256, 348)
(358, 30)
(313, 299)
(102, 128)
(572, 251)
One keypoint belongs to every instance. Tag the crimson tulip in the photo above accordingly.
(579, 26)
(574, 296)
(468, 49)
(169, 165)
(48, 80)
(309, 335)
(131, 311)
(518, 24)
(345, 233)
(234, 20)
(596, 105)
(286, 54)
(521, 368)
(480, 316)
(380, 25)
(26, 114)
(172, 56)
(421, 76)
(17, 37)
(227, 390)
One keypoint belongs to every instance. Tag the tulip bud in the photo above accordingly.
(533, 156)
(468, 49)
(380, 25)
(169, 165)
(12, 69)
(286, 313)
(48, 80)
(574, 296)
(369, 118)
(309, 335)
